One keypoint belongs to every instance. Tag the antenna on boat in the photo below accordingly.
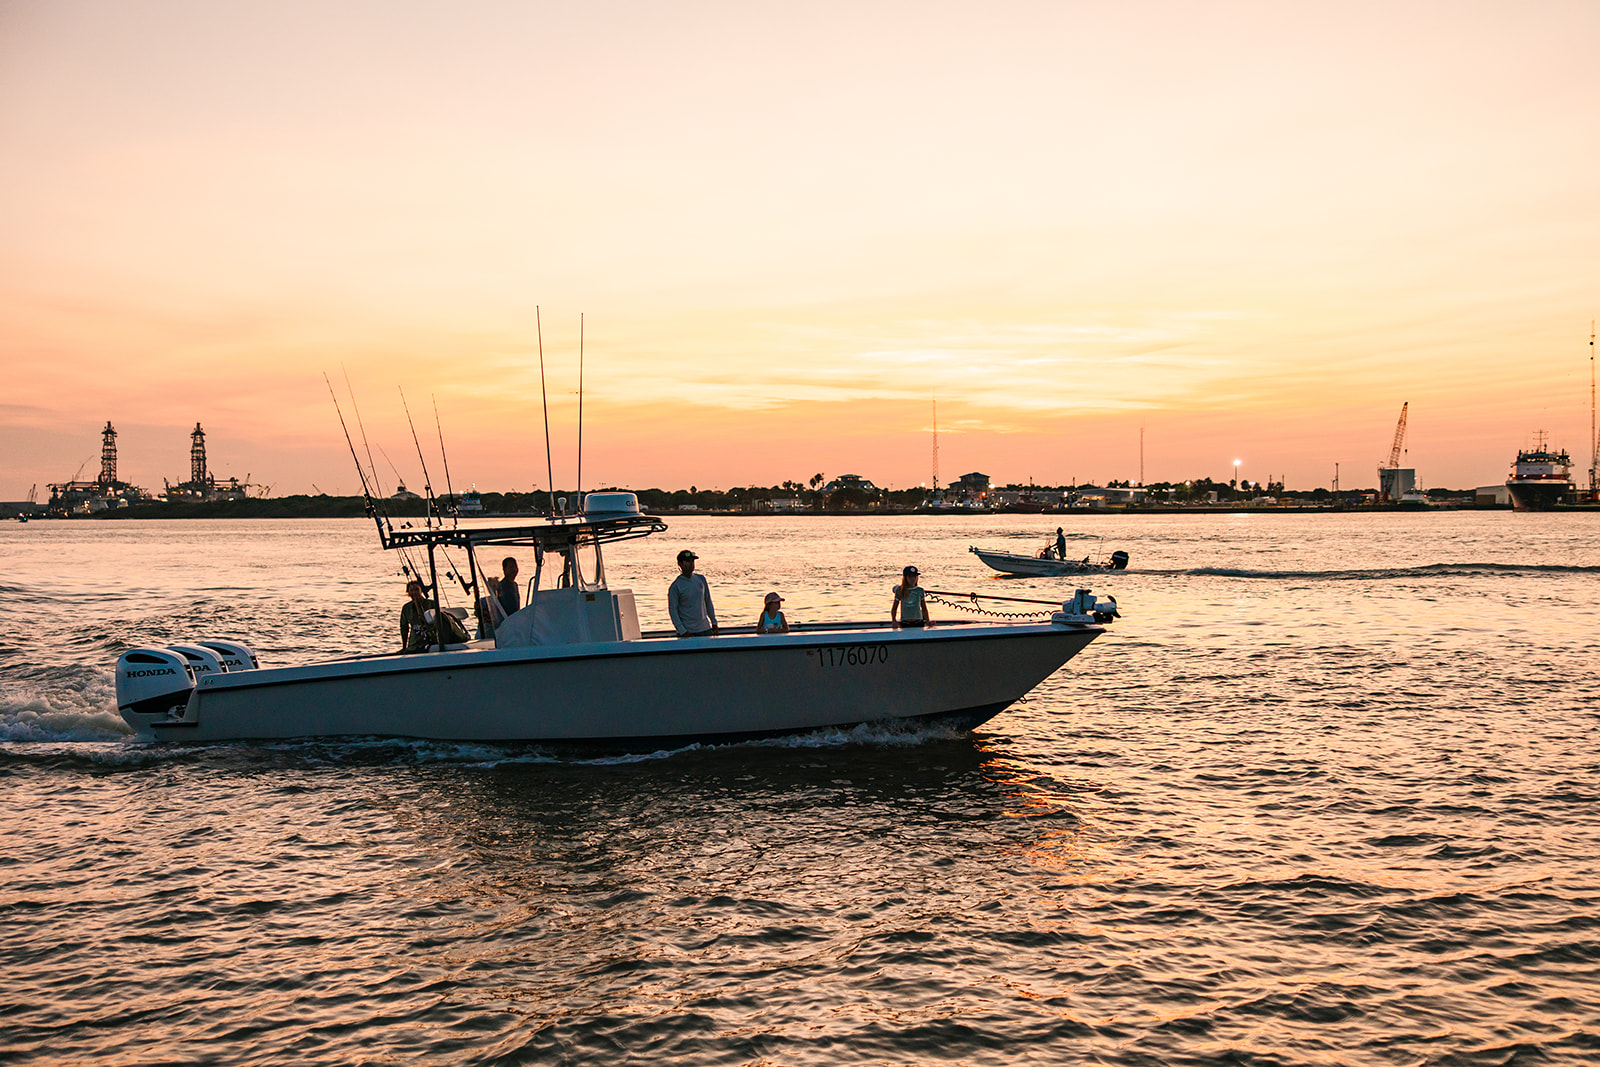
(550, 467)
(1594, 439)
(578, 490)
(448, 488)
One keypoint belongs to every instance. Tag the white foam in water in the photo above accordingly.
(41, 711)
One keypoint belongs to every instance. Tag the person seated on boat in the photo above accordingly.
(417, 631)
(689, 601)
(1061, 543)
(909, 607)
(772, 620)
(504, 589)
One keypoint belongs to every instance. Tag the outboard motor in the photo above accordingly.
(234, 656)
(1119, 560)
(152, 683)
(1083, 608)
(202, 661)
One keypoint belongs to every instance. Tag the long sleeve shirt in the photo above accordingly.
(689, 604)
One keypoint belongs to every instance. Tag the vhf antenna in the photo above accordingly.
(550, 467)
(580, 410)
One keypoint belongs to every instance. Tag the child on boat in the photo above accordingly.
(908, 608)
(772, 620)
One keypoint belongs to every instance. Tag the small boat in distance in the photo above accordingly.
(1540, 478)
(1047, 565)
(573, 666)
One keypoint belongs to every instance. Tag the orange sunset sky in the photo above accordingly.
(1253, 230)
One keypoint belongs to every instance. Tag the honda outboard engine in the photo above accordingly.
(234, 656)
(202, 661)
(1119, 560)
(152, 684)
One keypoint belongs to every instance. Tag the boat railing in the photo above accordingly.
(828, 627)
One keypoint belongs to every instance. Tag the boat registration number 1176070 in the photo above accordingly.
(849, 655)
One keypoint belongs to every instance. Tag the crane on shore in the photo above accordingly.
(1389, 487)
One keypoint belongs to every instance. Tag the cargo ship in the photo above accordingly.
(1540, 478)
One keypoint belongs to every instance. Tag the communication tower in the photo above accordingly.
(936, 446)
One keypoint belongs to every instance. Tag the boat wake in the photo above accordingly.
(1432, 570)
(66, 703)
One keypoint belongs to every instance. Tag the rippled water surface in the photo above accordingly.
(1327, 794)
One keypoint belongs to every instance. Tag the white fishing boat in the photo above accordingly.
(573, 664)
(1047, 565)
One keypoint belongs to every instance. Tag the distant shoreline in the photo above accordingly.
(353, 508)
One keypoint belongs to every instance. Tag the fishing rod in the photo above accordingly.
(365, 491)
(386, 522)
(448, 488)
(427, 480)
(362, 427)
(550, 467)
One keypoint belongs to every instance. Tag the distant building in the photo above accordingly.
(1396, 482)
(403, 493)
(1487, 496)
(974, 486)
(850, 481)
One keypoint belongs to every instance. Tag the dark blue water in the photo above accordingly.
(1327, 794)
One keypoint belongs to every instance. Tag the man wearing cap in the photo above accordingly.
(689, 601)
(908, 607)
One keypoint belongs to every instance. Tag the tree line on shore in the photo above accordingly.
(813, 496)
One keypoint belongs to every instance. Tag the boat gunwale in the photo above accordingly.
(427, 662)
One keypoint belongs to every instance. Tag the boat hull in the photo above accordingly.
(1034, 567)
(648, 690)
(1541, 495)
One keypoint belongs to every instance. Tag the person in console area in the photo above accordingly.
(506, 598)
(505, 587)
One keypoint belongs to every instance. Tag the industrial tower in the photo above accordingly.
(108, 457)
(197, 457)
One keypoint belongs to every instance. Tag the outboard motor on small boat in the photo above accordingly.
(234, 656)
(152, 683)
(1084, 608)
(1119, 560)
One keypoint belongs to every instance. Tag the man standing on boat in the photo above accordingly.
(1061, 544)
(689, 601)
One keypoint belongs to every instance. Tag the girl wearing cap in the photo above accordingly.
(772, 620)
(908, 607)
